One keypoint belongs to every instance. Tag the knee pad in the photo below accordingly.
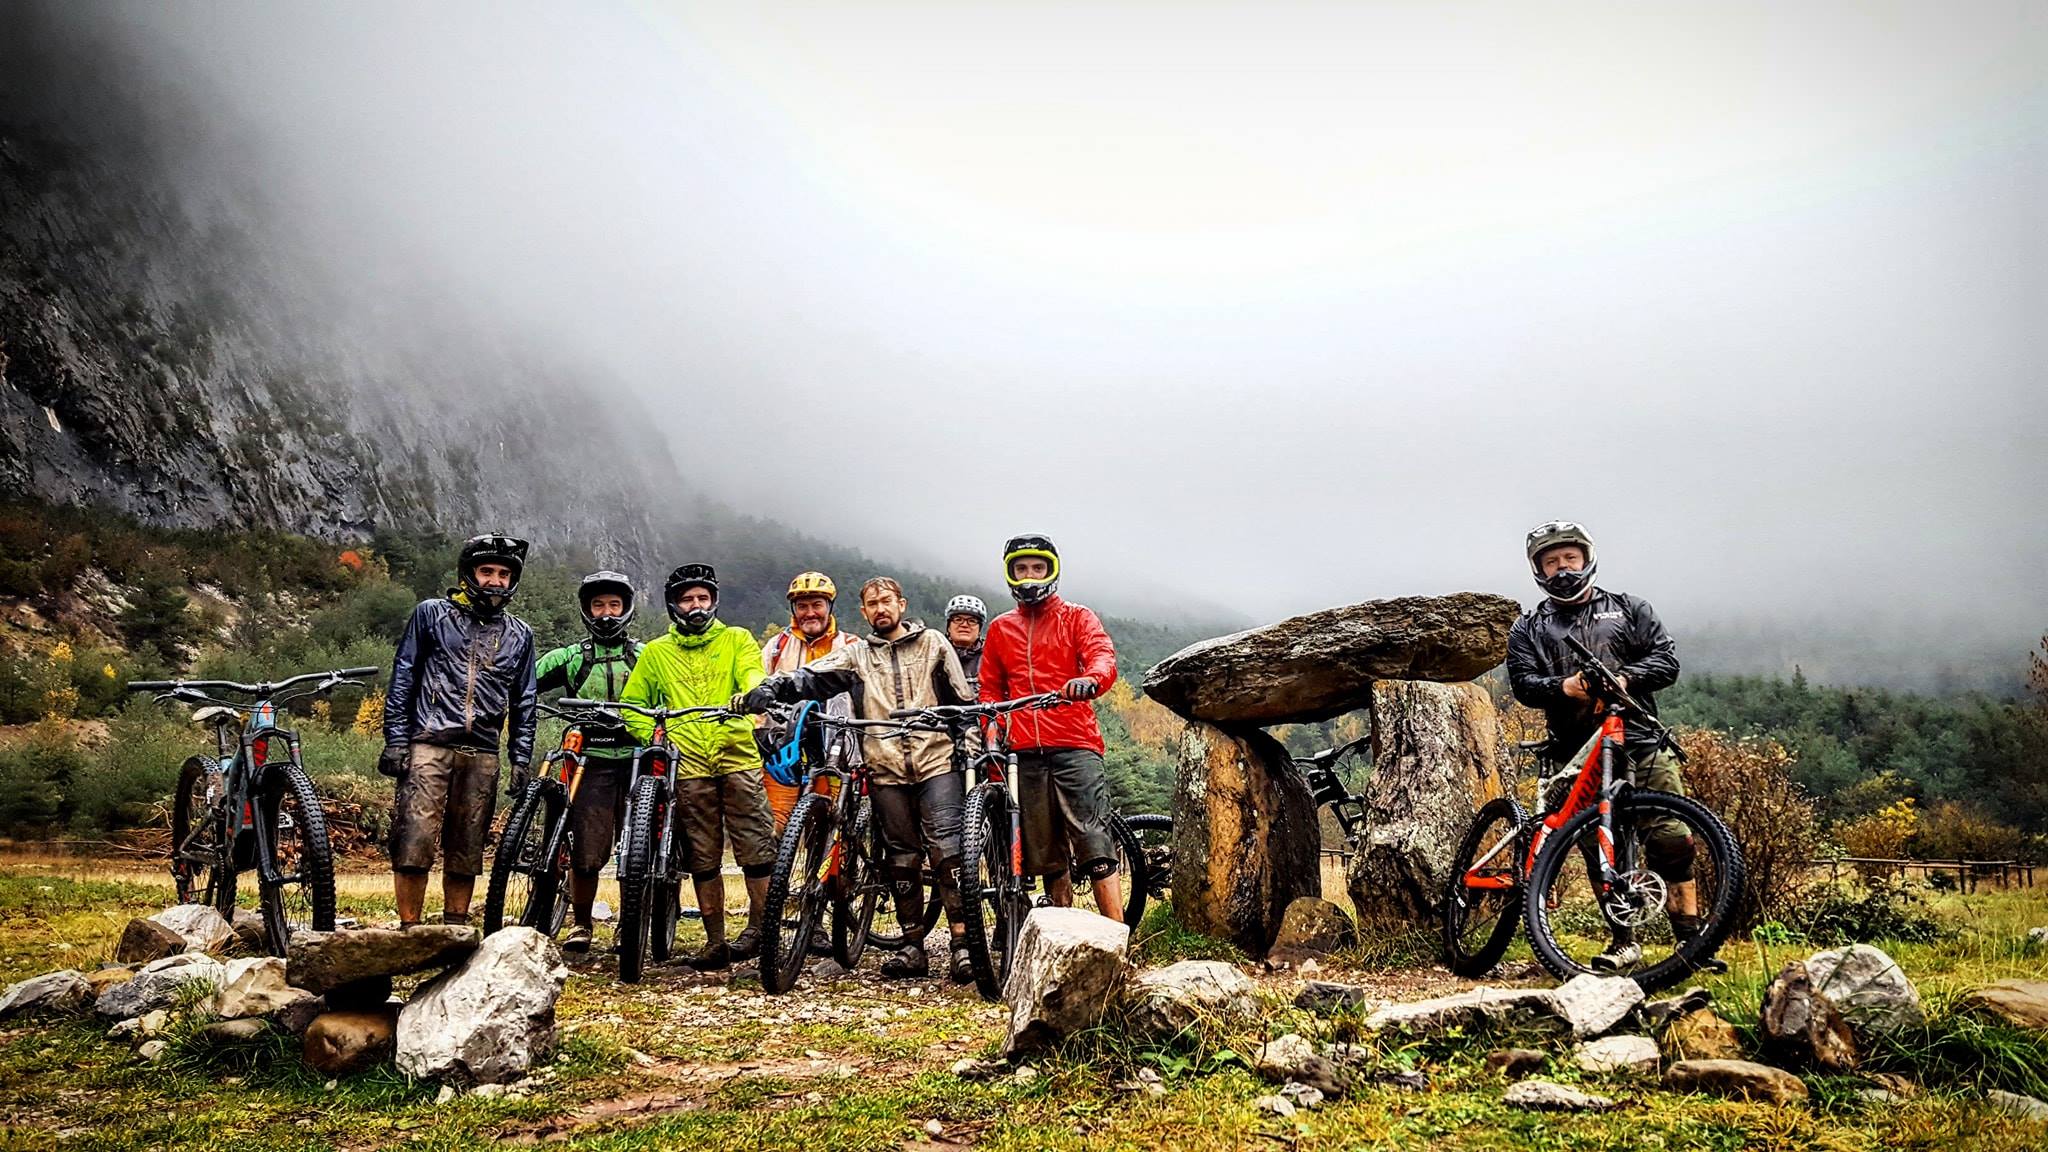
(1100, 870)
(904, 879)
(1670, 856)
(756, 871)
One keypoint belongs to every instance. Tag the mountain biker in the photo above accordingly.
(461, 679)
(1047, 644)
(1625, 633)
(917, 793)
(595, 668)
(813, 632)
(701, 661)
(966, 616)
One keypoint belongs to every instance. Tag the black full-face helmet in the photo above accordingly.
(606, 629)
(1567, 585)
(1042, 547)
(489, 549)
(691, 576)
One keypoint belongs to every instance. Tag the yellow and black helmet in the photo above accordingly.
(812, 584)
(1031, 545)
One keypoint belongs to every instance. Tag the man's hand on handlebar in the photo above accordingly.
(759, 700)
(1081, 688)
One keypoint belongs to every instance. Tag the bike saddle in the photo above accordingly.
(216, 714)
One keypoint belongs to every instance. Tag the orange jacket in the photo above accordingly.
(1038, 648)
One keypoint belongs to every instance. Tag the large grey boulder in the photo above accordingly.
(255, 987)
(1068, 969)
(201, 927)
(1740, 1079)
(1583, 1006)
(2016, 1105)
(1188, 996)
(1871, 990)
(1245, 839)
(1314, 667)
(1437, 756)
(1802, 1027)
(158, 984)
(62, 993)
(488, 1020)
(321, 961)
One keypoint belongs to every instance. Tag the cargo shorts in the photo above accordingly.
(709, 809)
(1063, 798)
(445, 799)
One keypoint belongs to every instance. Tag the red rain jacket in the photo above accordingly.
(1038, 649)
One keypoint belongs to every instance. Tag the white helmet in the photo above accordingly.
(965, 605)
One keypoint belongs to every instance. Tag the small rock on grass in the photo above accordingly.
(1738, 1078)
(1277, 1105)
(1515, 1063)
(1545, 1096)
(1619, 1054)
(1301, 1094)
(2014, 1104)
(153, 1050)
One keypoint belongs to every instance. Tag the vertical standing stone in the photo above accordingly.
(1245, 840)
(1437, 757)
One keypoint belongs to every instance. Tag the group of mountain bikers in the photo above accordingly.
(466, 674)
(466, 679)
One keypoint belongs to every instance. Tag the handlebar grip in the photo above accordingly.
(372, 670)
(906, 713)
(574, 702)
(151, 685)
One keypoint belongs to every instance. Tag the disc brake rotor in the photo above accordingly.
(1636, 899)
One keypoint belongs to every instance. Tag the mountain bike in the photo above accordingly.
(530, 868)
(251, 805)
(995, 895)
(651, 871)
(1155, 832)
(830, 857)
(1509, 864)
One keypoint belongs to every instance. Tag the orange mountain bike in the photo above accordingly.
(1613, 879)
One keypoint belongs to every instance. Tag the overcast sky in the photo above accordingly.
(1289, 305)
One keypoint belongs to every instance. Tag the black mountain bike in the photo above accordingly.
(651, 871)
(531, 866)
(1155, 832)
(251, 805)
(995, 895)
(830, 859)
(1581, 872)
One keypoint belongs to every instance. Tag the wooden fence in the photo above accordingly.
(1968, 873)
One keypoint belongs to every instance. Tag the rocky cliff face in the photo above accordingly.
(157, 356)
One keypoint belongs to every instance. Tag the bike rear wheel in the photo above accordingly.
(797, 886)
(992, 904)
(1572, 915)
(301, 899)
(859, 887)
(1154, 833)
(198, 858)
(525, 887)
(636, 878)
(1483, 901)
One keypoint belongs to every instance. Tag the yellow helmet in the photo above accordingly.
(813, 584)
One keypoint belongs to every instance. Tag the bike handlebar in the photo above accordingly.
(1610, 689)
(259, 690)
(979, 711)
(705, 711)
(1329, 756)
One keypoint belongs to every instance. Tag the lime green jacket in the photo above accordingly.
(678, 670)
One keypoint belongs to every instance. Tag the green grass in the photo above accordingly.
(672, 1064)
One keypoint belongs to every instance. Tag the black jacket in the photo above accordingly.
(456, 680)
(1622, 630)
(970, 663)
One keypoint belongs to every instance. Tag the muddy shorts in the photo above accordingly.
(598, 810)
(709, 809)
(445, 799)
(920, 820)
(1064, 799)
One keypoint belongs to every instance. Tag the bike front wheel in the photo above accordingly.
(797, 889)
(859, 887)
(199, 867)
(1661, 842)
(636, 877)
(301, 898)
(1133, 875)
(1483, 898)
(992, 903)
(1154, 833)
(525, 887)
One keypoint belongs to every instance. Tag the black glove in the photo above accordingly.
(392, 761)
(521, 777)
(1081, 688)
(761, 699)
